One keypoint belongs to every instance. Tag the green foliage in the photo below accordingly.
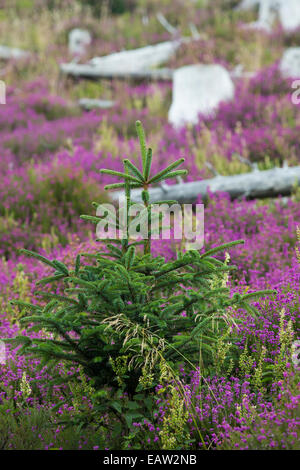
(124, 313)
(174, 434)
(86, 89)
(114, 6)
(53, 197)
(35, 428)
(53, 111)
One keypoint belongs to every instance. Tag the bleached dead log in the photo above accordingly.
(94, 72)
(257, 184)
(143, 58)
(136, 64)
(174, 31)
(238, 72)
(164, 74)
(79, 41)
(195, 33)
(246, 5)
(288, 12)
(8, 53)
(289, 65)
(164, 22)
(145, 20)
(88, 104)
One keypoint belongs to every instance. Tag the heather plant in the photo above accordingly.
(228, 411)
(269, 81)
(174, 434)
(36, 428)
(270, 427)
(45, 207)
(20, 287)
(52, 107)
(297, 248)
(238, 387)
(126, 313)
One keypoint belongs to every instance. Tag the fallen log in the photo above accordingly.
(287, 12)
(88, 104)
(8, 53)
(164, 22)
(93, 72)
(257, 184)
(142, 58)
(138, 63)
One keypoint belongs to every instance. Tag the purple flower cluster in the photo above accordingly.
(50, 156)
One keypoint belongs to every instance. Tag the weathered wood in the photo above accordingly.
(94, 72)
(142, 58)
(140, 63)
(8, 53)
(165, 23)
(287, 11)
(257, 184)
(88, 103)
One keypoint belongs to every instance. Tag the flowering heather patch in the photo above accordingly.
(255, 333)
(246, 396)
(228, 414)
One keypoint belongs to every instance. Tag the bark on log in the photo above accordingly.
(94, 72)
(257, 184)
